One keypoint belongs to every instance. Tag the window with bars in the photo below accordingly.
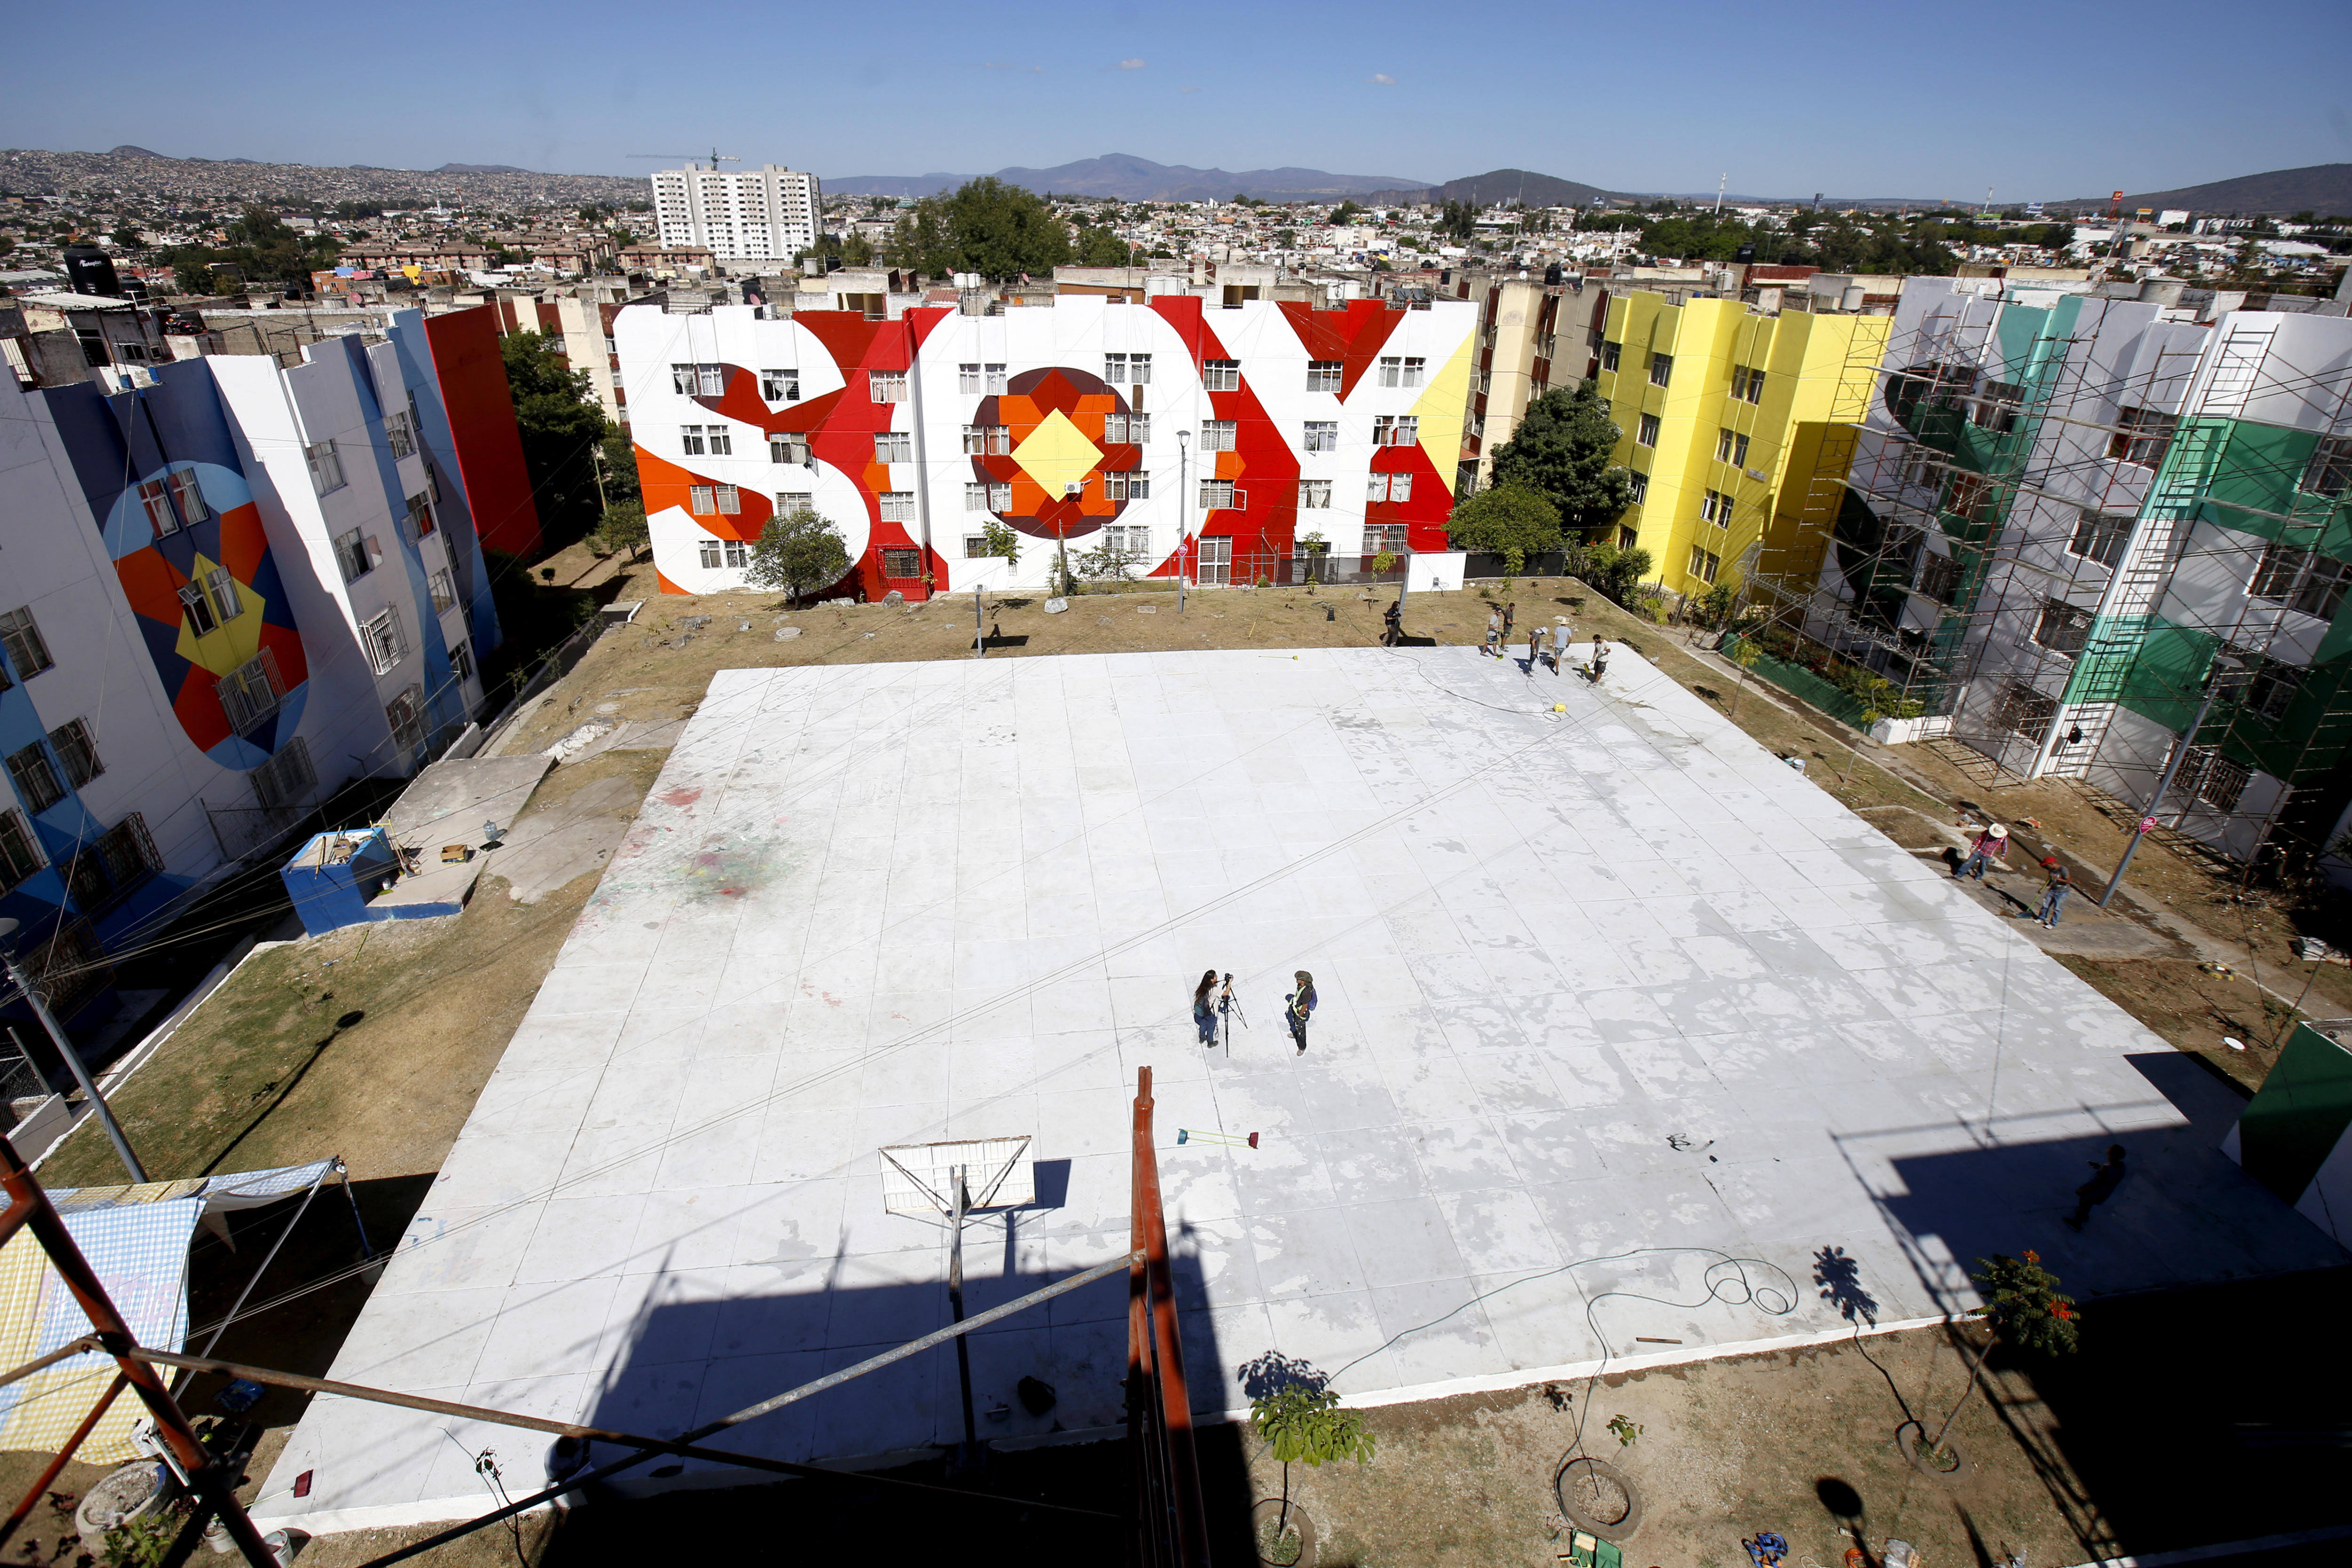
(1731, 446)
(286, 779)
(1705, 565)
(2063, 628)
(406, 715)
(326, 468)
(1645, 431)
(399, 435)
(2211, 778)
(2021, 710)
(1385, 537)
(384, 642)
(902, 566)
(975, 547)
(77, 752)
(780, 386)
(2301, 580)
(1126, 370)
(36, 777)
(1939, 578)
(20, 854)
(2329, 472)
(1315, 495)
(2141, 435)
(897, 505)
(1221, 374)
(2272, 688)
(894, 446)
(886, 385)
(105, 871)
(1132, 484)
(1132, 429)
(2101, 536)
(1661, 368)
(1322, 436)
(1220, 493)
(443, 589)
(1609, 354)
(1217, 435)
(1324, 375)
(1395, 429)
(788, 448)
(253, 691)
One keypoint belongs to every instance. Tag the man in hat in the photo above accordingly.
(1991, 847)
(2054, 895)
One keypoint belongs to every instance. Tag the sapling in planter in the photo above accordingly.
(2022, 1305)
(1305, 1423)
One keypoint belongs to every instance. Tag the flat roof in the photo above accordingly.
(1630, 1037)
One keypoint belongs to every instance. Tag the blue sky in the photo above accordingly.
(2043, 100)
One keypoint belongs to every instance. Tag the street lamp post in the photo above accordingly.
(2222, 664)
(73, 1058)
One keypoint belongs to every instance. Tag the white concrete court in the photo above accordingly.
(1611, 999)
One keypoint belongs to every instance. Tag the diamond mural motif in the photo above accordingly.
(1057, 454)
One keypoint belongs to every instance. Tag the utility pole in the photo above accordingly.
(2146, 820)
(1184, 513)
(73, 1058)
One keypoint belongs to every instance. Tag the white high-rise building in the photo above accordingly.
(770, 213)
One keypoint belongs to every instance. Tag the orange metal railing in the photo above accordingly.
(1171, 1528)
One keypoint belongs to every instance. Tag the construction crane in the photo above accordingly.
(717, 158)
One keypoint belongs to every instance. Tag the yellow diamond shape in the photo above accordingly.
(1057, 453)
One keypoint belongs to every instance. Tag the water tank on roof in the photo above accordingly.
(90, 271)
(1552, 275)
(1853, 297)
(1744, 254)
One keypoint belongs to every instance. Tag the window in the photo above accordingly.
(1645, 432)
(210, 601)
(1217, 435)
(2023, 712)
(975, 547)
(1130, 429)
(1628, 538)
(703, 380)
(1401, 370)
(1322, 434)
(894, 446)
(433, 479)
(700, 501)
(1731, 446)
(1940, 578)
(2101, 537)
(1609, 354)
(706, 553)
(1315, 495)
(992, 376)
(2329, 472)
(155, 497)
(2064, 628)
(780, 386)
(887, 386)
(1714, 507)
(975, 497)
(1747, 385)
(902, 566)
(2211, 778)
(20, 856)
(1126, 370)
(355, 556)
(2272, 688)
(1000, 496)
(1388, 487)
(118, 861)
(2301, 580)
(1661, 368)
(405, 716)
(1217, 493)
(968, 377)
(285, 779)
(444, 591)
(1704, 565)
(788, 448)
(2141, 435)
(1130, 541)
(400, 436)
(722, 441)
(1637, 486)
(690, 440)
(1971, 497)
(1395, 429)
(1995, 408)
(420, 518)
(383, 641)
(1323, 374)
(1214, 562)
(730, 499)
(77, 750)
(1221, 374)
(1385, 537)
(978, 441)
(93, 344)
(36, 779)
(326, 469)
(897, 505)
(1129, 485)
(252, 691)
(714, 379)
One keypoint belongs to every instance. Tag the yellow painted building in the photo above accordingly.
(1723, 409)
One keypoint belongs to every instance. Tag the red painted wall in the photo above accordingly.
(473, 380)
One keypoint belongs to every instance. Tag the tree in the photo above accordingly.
(1303, 1422)
(1100, 247)
(620, 469)
(1345, 213)
(2023, 1306)
(1000, 538)
(798, 552)
(622, 528)
(1509, 521)
(1564, 449)
(1614, 573)
(561, 427)
(983, 226)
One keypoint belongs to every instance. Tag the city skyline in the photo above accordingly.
(1778, 113)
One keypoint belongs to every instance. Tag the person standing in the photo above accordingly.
(1990, 847)
(1535, 645)
(1301, 1006)
(2102, 1186)
(1599, 658)
(1562, 634)
(2053, 897)
(1510, 616)
(1493, 630)
(1204, 1010)
(1392, 625)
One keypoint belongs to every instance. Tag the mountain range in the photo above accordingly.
(1132, 179)
(2322, 188)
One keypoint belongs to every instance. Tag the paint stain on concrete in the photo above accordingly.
(682, 797)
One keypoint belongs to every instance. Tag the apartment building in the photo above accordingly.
(767, 213)
(1714, 398)
(229, 591)
(2104, 537)
(1180, 436)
